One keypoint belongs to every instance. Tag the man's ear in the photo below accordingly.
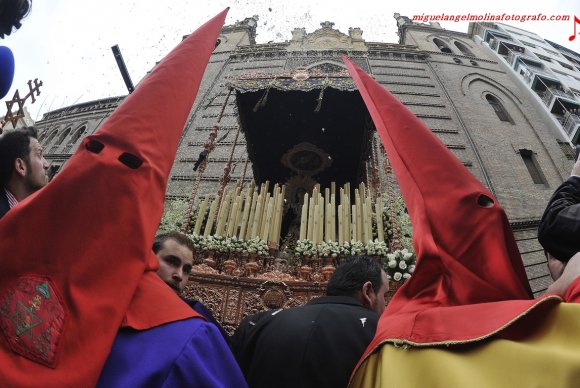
(368, 295)
(20, 167)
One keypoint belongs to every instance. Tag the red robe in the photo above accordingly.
(76, 260)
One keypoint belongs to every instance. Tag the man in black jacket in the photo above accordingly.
(559, 231)
(319, 344)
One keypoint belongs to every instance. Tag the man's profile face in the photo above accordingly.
(36, 167)
(175, 261)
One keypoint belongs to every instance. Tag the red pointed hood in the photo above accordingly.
(74, 254)
(466, 251)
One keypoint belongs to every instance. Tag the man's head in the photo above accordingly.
(363, 279)
(175, 253)
(22, 166)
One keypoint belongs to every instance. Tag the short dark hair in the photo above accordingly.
(13, 145)
(11, 13)
(178, 237)
(350, 276)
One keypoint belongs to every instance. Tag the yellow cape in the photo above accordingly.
(547, 357)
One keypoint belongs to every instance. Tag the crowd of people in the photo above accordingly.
(121, 321)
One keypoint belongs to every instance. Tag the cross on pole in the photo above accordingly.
(14, 116)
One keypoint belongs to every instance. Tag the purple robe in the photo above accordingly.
(187, 353)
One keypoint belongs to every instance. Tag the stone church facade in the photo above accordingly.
(447, 80)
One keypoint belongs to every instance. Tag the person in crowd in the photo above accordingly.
(467, 316)
(559, 229)
(22, 167)
(318, 344)
(175, 253)
(81, 303)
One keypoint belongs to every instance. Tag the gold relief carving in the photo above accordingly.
(211, 297)
(253, 304)
(274, 298)
(306, 159)
(300, 74)
(276, 276)
(231, 306)
(231, 298)
(203, 268)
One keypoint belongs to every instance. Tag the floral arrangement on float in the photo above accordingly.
(328, 249)
(400, 265)
(305, 248)
(376, 248)
(353, 248)
(257, 246)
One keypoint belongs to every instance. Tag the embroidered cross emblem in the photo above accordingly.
(25, 320)
(32, 319)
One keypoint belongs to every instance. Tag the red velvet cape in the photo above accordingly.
(76, 260)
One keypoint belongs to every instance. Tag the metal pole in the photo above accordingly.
(123, 68)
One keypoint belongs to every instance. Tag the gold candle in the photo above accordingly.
(303, 220)
(359, 217)
(200, 215)
(210, 218)
(353, 226)
(257, 218)
(246, 230)
(340, 227)
(268, 219)
(264, 214)
(310, 226)
(232, 217)
(222, 215)
(316, 222)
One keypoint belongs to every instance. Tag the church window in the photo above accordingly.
(442, 46)
(498, 108)
(463, 48)
(533, 167)
(63, 136)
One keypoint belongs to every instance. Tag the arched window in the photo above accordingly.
(50, 137)
(63, 136)
(463, 48)
(498, 108)
(457, 60)
(78, 133)
(442, 46)
(42, 136)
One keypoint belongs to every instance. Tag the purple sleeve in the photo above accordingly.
(206, 361)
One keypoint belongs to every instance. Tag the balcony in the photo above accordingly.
(537, 75)
(503, 47)
(571, 126)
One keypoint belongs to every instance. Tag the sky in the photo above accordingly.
(67, 43)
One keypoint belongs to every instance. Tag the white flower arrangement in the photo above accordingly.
(328, 249)
(257, 245)
(376, 248)
(305, 248)
(344, 249)
(357, 248)
(197, 241)
(400, 265)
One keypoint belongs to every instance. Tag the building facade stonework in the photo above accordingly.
(257, 93)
